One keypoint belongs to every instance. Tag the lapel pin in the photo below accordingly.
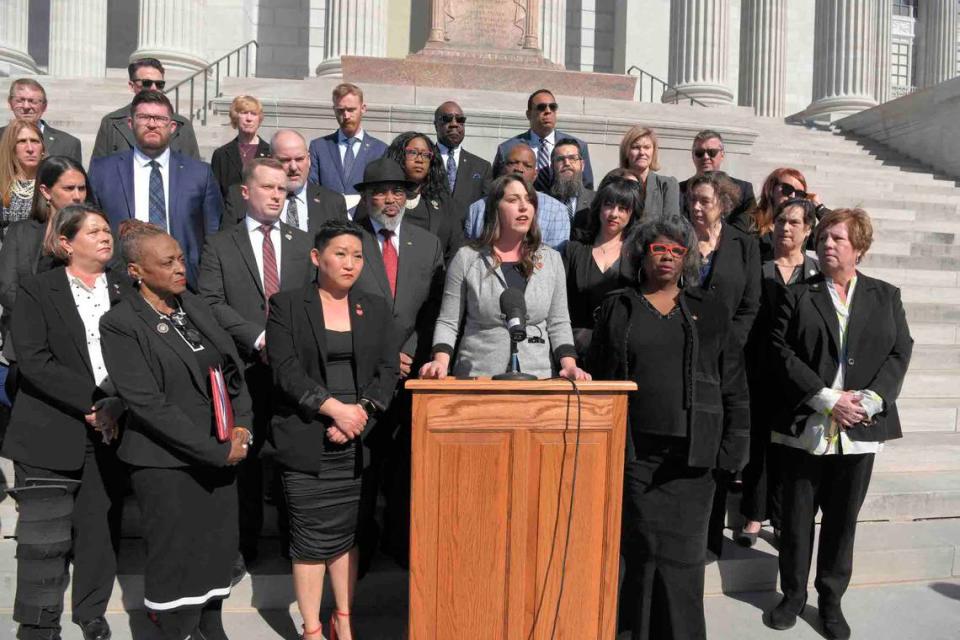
(409, 243)
(288, 235)
(359, 310)
(163, 327)
(476, 176)
(813, 272)
(434, 204)
(695, 316)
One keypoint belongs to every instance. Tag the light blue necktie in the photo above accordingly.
(348, 158)
(451, 170)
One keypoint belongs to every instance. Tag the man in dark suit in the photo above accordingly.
(567, 185)
(542, 136)
(241, 268)
(307, 205)
(468, 176)
(28, 101)
(404, 264)
(114, 135)
(337, 160)
(153, 183)
(707, 154)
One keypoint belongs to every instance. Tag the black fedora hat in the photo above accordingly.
(383, 170)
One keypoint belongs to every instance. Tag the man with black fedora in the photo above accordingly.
(404, 264)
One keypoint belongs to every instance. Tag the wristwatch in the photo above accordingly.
(369, 406)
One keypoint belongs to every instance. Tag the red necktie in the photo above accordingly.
(390, 260)
(271, 277)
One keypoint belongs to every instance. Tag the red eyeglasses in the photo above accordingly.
(660, 248)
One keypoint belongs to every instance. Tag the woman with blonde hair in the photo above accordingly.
(228, 161)
(21, 150)
(640, 152)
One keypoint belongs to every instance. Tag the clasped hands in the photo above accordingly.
(848, 411)
(104, 416)
(349, 420)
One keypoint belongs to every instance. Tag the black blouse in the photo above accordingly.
(587, 286)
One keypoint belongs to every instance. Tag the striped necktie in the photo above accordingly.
(451, 170)
(271, 275)
(158, 207)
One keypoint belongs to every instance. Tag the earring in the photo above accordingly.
(680, 282)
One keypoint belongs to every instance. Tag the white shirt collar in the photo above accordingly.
(253, 225)
(550, 137)
(76, 281)
(143, 159)
(342, 138)
(377, 227)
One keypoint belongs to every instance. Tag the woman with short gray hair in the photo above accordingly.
(689, 416)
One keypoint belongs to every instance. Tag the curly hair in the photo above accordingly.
(675, 227)
(725, 190)
(132, 233)
(491, 224)
(435, 186)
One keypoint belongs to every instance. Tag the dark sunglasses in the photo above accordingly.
(150, 84)
(543, 106)
(660, 248)
(713, 153)
(447, 118)
(790, 191)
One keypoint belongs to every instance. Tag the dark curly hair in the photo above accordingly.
(675, 227)
(435, 186)
(725, 190)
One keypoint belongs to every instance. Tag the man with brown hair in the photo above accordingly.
(28, 101)
(337, 160)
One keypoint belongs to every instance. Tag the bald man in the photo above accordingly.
(468, 176)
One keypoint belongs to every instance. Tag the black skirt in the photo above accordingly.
(189, 518)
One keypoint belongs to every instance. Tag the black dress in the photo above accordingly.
(325, 507)
(587, 286)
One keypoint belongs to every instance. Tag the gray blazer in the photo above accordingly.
(662, 196)
(471, 297)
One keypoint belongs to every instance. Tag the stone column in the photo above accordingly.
(531, 25)
(437, 27)
(763, 56)
(882, 81)
(937, 41)
(14, 56)
(844, 59)
(553, 31)
(354, 28)
(78, 38)
(172, 32)
(699, 50)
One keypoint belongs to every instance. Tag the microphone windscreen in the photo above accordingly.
(512, 303)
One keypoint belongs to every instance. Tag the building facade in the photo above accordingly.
(819, 57)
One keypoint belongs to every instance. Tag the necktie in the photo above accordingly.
(348, 158)
(390, 260)
(293, 215)
(451, 171)
(271, 276)
(157, 208)
(543, 165)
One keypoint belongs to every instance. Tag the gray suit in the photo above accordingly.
(471, 299)
(116, 135)
(662, 196)
(59, 143)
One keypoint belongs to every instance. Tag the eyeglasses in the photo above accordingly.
(790, 191)
(543, 106)
(573, 157)
(150, 84)
(713, 153)
(662, 248)
(415, 153)
(146, 118)
(447, 118)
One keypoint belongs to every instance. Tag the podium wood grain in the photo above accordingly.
(493, 467)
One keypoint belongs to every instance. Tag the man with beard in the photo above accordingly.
(468, 176)
(567, 186)
(404, 264)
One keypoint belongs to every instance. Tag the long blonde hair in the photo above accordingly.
(9, 167)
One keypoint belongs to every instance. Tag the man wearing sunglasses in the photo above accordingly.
(146, 74)
(542, 136)
(28, 101)
(707, 154)
(468, 175)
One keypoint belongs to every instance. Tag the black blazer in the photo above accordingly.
(56, 385)
(20, 258)
(298, 352)
(734, 279)
(232, 285)
(474, 175)
(322, 204)
(806, 345)
(227, 165)
(169, 410)
(435, 216)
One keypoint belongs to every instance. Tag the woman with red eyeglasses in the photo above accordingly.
(689, 417)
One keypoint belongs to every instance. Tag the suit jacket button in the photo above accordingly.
(850, 361)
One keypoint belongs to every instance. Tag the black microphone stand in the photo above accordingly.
(513, 368)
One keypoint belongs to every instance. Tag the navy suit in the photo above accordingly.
(195, 206)
(326, 167)
(544, 177)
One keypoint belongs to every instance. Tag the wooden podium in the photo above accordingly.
(494, 463)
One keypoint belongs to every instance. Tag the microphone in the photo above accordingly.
(514, 308)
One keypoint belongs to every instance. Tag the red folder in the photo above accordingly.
(222, 407)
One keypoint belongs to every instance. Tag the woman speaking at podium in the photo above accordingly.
(689, 417)
(508, 254)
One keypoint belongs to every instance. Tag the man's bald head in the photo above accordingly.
(290, 149)
(522, 161)
(450, 124)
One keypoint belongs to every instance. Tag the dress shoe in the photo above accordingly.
(784, 615)
(746, 538)
(835, 626)
(96, 629)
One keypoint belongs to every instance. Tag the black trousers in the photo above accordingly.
(666, 509)
(250, 473)
(762, 489)
(93, 549)
(837, 485)
(194, 623)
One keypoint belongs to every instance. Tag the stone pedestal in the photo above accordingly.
(699, 50)
(763, 61)
(844, 59)
(884, 26)
(172, 32)
(78, 38)
(936, 41)
(14, 58)
(353, 28)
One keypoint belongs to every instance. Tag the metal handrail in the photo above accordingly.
(664, 86)
(240, 54)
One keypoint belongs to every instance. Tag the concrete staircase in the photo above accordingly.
(911, 519)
